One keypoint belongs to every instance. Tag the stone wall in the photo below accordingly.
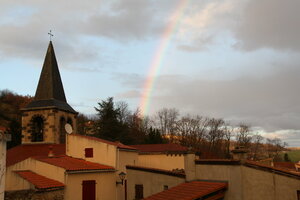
(35, 195)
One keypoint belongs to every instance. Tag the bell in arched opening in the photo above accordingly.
(37, 129)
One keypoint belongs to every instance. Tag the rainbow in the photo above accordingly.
(159, 55)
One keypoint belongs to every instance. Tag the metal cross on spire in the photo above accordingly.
(50, 34)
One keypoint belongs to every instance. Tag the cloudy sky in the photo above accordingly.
(237, 60)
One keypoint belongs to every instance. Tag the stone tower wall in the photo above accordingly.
(51, 119)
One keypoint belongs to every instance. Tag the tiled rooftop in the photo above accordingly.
(2, 128)
(73, 164)
(39, 181)
(285, 165)
(158, 171)
(276, 170)
(162, 148)
(22, 152)
(191, 191)
(117, 144)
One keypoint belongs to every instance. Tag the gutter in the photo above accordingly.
(89, 171)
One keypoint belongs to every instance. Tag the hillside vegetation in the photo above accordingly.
(293, 155)
(10, 114)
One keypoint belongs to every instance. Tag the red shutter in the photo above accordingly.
(89, 190)
(89, 152)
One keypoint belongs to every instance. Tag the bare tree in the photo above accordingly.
(243, 136)
(228, 133)
(256, 145)
(274, 147)
(191, 130)
(215, 133)
(166, 120)
(124, 112)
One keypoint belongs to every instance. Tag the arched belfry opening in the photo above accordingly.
(37, 129)
(69, 121)
(62, 130)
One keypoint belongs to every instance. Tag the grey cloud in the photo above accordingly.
(129, 80)
(131, 94)
(269, 24)
(74, 24)
(289, 136)
(271, 102)
(125, 20)
(199, 44)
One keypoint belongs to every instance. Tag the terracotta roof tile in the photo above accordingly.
(189, 191)
(22, 152)
(73, 164)
(117, 144)
(156, 148)
(277, 170)
(285, 165)
(2, 128)
(158, 171)
(39, 181)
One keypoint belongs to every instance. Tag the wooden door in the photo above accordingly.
(89, 190)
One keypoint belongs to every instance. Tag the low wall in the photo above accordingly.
(34, 195)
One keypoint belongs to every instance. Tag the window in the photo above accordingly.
(166, 187)
(89, 152)
(89, 190)
(139, 191)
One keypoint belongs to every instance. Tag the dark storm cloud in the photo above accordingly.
(24, 26)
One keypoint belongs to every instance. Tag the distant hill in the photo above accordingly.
(293, 148)
(10, 114)
(10, 106)
(293, 155)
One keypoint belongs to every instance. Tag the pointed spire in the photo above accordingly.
(50, 84)
(50, 91)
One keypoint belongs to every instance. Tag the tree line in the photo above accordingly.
(211, 137)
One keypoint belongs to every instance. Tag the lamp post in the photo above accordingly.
(122, 176)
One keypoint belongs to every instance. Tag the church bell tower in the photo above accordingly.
(44, 119)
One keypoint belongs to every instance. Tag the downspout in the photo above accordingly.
(117, 169)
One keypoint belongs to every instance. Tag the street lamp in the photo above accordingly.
(122, 176)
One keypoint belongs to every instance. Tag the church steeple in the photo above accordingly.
(50, 91)
(44, 119)
(50, 84)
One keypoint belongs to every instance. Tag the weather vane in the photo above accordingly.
(50, 34)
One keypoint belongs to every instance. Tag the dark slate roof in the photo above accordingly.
(50, 91)
(49, 103)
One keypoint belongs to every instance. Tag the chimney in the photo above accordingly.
(189, 165)
(50, 153)
(240, 153)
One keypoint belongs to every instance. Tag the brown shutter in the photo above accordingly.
(139, 191)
